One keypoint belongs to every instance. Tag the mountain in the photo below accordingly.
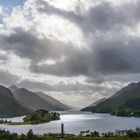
(88, 108)
(36, 100)
(52, 101)
(9, 107)
(13, 88)
(97, 102)
(126, 98)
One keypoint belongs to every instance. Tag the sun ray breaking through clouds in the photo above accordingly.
(77, 51)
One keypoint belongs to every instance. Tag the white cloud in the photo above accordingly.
(74, 30)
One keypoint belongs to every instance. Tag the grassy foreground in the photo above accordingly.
(110, 138)
(6, 135)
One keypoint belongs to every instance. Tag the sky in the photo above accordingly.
(11, 3)
(77, 51)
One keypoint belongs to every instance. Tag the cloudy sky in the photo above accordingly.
(78, 51)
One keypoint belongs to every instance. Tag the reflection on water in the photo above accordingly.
(75, 121)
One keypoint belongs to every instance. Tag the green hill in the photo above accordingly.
(126, 98)
(36, 100)
(9, 107)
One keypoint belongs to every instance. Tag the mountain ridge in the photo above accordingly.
(37, 100)
(123, 99)
(10, 107)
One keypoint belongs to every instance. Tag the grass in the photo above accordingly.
(101, 138)
(17, 123)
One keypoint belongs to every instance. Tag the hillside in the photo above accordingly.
(97, 102)
(88, 108)
(9, 107)
(126, 98)
(36, 100)
(52, 101)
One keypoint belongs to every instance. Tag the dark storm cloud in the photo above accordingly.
(118, 55)
(110, 52)
(26, 44)
(110, 60)
(101, 17)
(75, 64)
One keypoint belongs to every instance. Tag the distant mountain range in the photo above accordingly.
(56, 105)
(36, 100)
(9, 106)
(126, 98)
(16, 101)
(20, 101)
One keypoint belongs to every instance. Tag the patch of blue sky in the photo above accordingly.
(11, 3)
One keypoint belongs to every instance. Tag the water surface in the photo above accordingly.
(75, 121)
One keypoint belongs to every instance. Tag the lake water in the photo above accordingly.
(75, 121)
